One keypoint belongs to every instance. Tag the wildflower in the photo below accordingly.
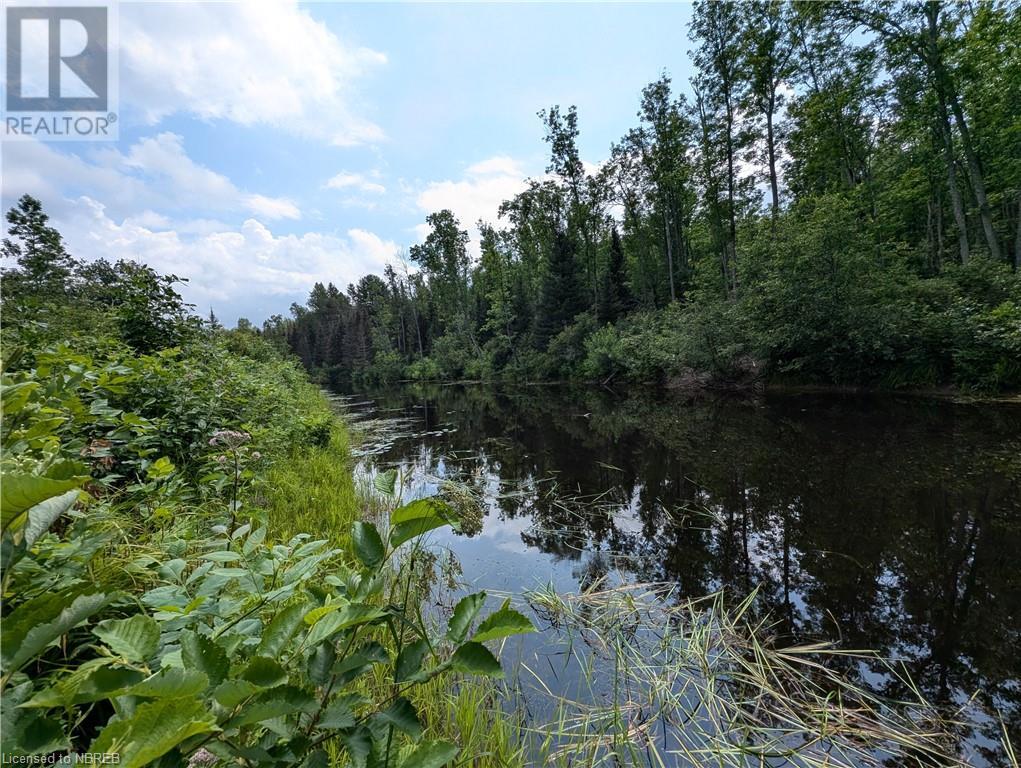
(256, 455)
(229, 438)
(202, 757)
(221, 459)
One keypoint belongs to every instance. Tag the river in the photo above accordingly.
(892, 524)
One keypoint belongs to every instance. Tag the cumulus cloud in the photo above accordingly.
(246, 270)
(477, 195)
(155, 173)
(354, 181)
(252, 63)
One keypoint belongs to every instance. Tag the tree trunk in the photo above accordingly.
(957, 204)
(774, 186)
(1017, 237)
(975, 173)
(669, 252)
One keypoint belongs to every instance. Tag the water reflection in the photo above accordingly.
(888, 524)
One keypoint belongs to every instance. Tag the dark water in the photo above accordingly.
(886, 524)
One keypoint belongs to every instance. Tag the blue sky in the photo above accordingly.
(264, 147)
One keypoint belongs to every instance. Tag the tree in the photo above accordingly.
(614, 296)
(562, 297)
(44, 266)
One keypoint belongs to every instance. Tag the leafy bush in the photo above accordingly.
(138, 619)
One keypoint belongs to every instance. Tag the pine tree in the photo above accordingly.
(614, 297)
(562, 298)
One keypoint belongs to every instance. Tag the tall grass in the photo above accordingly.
(667, 682)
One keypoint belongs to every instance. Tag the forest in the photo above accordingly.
(833, 199)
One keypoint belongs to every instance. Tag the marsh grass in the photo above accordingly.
(312, 490)
(669, 682)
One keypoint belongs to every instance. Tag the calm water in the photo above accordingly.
(887, 524)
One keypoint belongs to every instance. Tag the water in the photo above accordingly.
(882, 523)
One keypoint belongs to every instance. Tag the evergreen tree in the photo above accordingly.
(562, 296)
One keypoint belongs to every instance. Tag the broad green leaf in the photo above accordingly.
(502, 623)
(313, 616)
(316, 759)
(280, 630)
(200, 653)
(410, 529)
(264, 672)
(358, 743)
(351, 615)
(170, 683)
(422, 508)
(230, 693)
(431, 754)
(402, 716)
(160, 469)
(320, 665)
(45, 513)
(21, 491)
(355, 664)
(338, 714)
(279, 702)
(385, 482)
(136, 638)
(154, 729)
(476, 659)
(409, 660)
(465, 611)
(27, 633)
(367, 544)
(24, 732)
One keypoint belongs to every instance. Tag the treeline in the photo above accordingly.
(838, 200)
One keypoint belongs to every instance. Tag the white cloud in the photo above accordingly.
(354, 181)
(251, 63)
(155, 173)
(476, 196)
(237, 270)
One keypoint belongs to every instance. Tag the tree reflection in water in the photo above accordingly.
(888, 524)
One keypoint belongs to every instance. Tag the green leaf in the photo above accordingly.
(476, 659)
(431, 754)
(154, 729)
(21, 491)
(402, 716)
(279, 702)
(136, 638)
(358, 743)
(264, 672)
(280, 630)
(24, 732)
(465, 611)
(160, 469)
(33, 625)
(338, 714)
(502, 623)
(45, 513)
(320, 665)
(170, 683)
(410, 529)
(355, 664)
(409, 660)
(230, 693)
(200, 653)
(420, 508)
(385, 482)
(367, 544)
(353, 614)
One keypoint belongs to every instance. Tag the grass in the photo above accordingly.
(671, 682)
(313, 490)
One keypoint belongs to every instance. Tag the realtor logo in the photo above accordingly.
(59, 72)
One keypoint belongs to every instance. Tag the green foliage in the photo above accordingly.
(237, 647)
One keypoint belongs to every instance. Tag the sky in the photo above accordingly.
(265, 146)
